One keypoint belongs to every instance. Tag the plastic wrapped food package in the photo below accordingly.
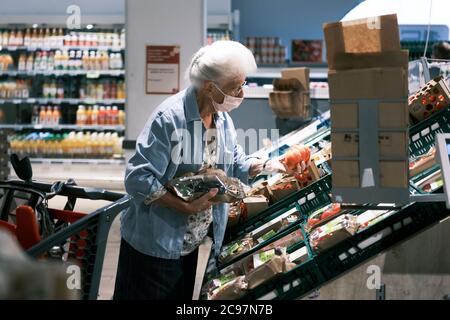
(190, 187)
(333, 232)
(235, 248)
(323, 215)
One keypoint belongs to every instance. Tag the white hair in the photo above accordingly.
(221, 61)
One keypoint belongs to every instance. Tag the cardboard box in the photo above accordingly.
(391, 144)
(388, 59)
(393, 174)
(390, 115)
(393, 115)
(345, 174)
(369, 35)
(301, 74)
(254, 205)
(371, 83)
(330, 234)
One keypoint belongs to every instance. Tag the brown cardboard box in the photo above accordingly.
(370, 35)
(255, 204)
(345, 174)
(391, 144)
(394, 174)
(344, 144)
(372, 83)
(301, 74)
(388, 59)
(344, 116)
(390, 115)
(393, 115)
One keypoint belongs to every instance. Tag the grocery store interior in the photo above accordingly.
(350, 101)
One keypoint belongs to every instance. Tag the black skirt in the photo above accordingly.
(143, 277)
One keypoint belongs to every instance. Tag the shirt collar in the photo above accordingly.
(191, 107)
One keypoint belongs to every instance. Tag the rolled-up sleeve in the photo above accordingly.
(242, 164)
(149, 164)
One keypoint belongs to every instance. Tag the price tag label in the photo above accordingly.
(17, 101)
(38, 126)
(12, 48)
(92, 74)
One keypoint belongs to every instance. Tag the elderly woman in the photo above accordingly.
(161, 233)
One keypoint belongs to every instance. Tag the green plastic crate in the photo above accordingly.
(316, 189)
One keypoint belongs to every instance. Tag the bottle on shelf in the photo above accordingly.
(89, 116)
(27, 38)
(102, 116)
(115, 116)
(60, 90)
(94, 116)
(48, 116)
(81, 115)
(22, 64)
(121, 117)
(5, 37)
(19, 38)
(30, 62)
(51, 61)
(108, 120)
(56, 116)
(34, 38)
(47, 37)
(43, 61)
(37, 61)
(35, 115)
(12, 38)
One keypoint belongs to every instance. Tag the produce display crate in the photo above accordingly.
(422, 137)
(318, 191)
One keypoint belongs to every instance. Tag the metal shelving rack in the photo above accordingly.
(12, 107)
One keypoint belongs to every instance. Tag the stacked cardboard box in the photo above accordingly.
(369, 113)
(290, 96)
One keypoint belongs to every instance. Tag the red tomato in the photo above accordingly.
(295, 155)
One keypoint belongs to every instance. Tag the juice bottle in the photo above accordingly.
(56, 116)
(89, 116)
(49, 117)
(108, 119)
(102, 116)
(22, 62)
(42, 116)
(121, 117)
(115, 115)
(81, 116)
(30, 62)
(27, 38)
(94, 116)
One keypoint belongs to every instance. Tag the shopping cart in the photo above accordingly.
(72, 238)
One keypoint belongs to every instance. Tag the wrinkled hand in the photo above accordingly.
(201, 203)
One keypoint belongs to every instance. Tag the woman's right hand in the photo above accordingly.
(201, 203)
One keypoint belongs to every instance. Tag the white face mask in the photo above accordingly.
(229, 102)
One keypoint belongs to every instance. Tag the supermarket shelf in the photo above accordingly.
(77, 161)
(32, 49)
(59, 101)
(88, 73)
(316, 72)
(19, 127)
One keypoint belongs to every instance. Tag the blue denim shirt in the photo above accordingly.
(159, 231)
